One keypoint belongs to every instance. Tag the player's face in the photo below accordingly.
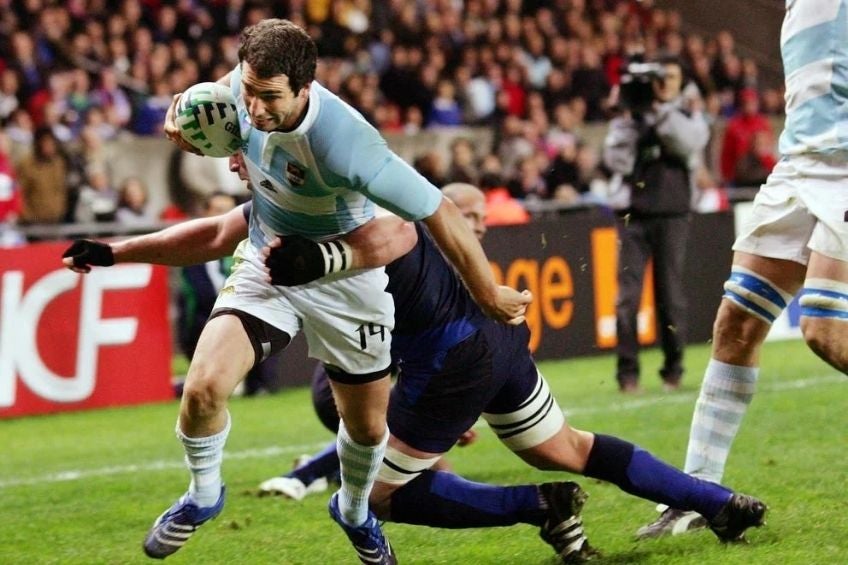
(474, 212)
(270, 101)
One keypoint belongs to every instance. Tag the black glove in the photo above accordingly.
(86, 252)
(297, 261)
(300, 260)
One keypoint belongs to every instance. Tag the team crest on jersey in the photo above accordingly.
(295, 174)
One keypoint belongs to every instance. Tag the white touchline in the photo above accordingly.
(275, 451)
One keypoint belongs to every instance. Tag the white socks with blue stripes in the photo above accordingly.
(725, 394)
(359, 466)
(203, 458)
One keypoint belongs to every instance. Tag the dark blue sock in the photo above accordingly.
(444, 500)
(637, 472)
(325, 463)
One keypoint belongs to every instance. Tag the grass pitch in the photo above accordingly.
(84, 488)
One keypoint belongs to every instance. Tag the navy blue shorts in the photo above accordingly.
(431, 406)
(492, 371)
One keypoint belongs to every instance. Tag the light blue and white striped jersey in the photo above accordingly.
(814, 47)
(322, 179)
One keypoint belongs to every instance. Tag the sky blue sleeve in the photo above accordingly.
(401, 189)
(359, 153)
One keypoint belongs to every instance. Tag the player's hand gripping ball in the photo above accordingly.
(207, 118)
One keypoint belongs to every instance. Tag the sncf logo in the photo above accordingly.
(22, 317)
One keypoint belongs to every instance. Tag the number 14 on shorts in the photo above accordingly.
(370, 330)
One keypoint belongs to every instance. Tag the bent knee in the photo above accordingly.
(568, 451)
(826, 339)
(370, 432)
(735, 329)
(203, 395)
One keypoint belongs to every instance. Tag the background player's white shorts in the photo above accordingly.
(347, 318)
(802, 206)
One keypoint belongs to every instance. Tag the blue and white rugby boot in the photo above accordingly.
(368, 540)
(179, 522)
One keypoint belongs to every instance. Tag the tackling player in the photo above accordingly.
(456, 365)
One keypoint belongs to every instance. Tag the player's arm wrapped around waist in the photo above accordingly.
(295, 260)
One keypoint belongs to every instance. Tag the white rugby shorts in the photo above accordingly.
(803, 206)
(347, 317)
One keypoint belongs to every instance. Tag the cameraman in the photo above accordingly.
(652, 149)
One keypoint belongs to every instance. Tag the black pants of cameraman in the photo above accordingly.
(663, 238)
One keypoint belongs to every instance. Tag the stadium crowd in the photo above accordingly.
(76, 74)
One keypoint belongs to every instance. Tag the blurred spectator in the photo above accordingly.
(10, 198)
(414, 121)
(26, 62)
(527, 183)
(9, 88)
(111, 99)
(21, 132)
(756, 163)
(481, 93)
(591, 183)
(502, 209)
(563, 172)
(96, 124)
(132, 203)
(739, 134)
(462, 166)
(53, 117)
(98, 199)
(151, 113)
(513, 94)
(535, 61)
(41, 177)
(387, 118)
(445, 110)
(78, 101)
(590, 83)
(562, 132)
(772, 102)
(514, 146)
(431, 167)
(557, 89)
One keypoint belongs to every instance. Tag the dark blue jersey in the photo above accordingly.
(433, 309)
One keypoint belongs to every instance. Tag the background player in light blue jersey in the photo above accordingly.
(316, 168)
(796, 240)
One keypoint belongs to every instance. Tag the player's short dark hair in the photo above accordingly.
(279, 47)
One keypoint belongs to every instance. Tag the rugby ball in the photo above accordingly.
(207, 118)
